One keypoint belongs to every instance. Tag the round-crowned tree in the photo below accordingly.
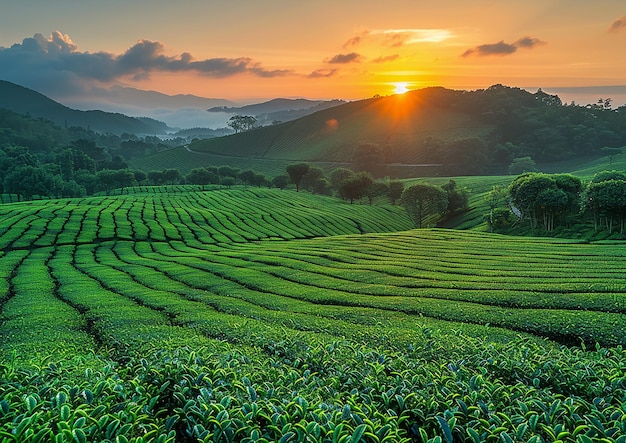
(424, 202)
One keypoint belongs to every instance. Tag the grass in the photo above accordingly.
(267, 315)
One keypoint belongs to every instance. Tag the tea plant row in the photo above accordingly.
(172, 317)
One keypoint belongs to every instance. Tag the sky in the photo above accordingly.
(246, 50)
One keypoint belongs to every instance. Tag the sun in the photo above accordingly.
(400, 87)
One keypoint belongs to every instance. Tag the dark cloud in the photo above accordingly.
(501, 48)
(618, 24)
(354, 41)
(528, 42)
(386, 59)
(322, 73)
(342, 59)
(38, 61)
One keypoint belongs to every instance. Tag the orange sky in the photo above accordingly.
(248, 49)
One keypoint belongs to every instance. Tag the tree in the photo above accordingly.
(29, 181)
(494, 199)
(376, 189)
(312, 180)
(155, 177)
(605, 197)
(573, 188)
(202, 176)
(140, 176)
(338, 175)
(227, 181)
(296, 172)
(280, 181)
(108, 179)
(172, 176)
(603, 176)
(227, 171)
(524, 191)
(522, 164)
(458, 198)
(247, 177)
(395, 191)
(259, 180)
(241, 123)
(542, 197)
(424, 201)
(354, 187)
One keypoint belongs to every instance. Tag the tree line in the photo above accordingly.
(551, 201)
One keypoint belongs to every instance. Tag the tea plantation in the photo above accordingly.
(242, 315)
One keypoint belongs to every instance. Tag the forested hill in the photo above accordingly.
(465, 131)
(28, 102)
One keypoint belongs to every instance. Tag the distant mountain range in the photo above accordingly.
(28, 102)
(121, 107)
(278, 105)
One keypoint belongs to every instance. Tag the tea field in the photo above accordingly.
(242, 315)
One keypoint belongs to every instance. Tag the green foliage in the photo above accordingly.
(520, 165)
(458, 198)
(183, 313)
(395, 191)
(355, 186)
(296, 172)
(543, 198)
(241, 123)
(606, 199)
(424, 202)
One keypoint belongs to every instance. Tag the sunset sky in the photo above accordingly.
(249, 49)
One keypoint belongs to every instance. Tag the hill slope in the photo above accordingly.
(26, 101)
(463, 132)
(399, 122)
(181, 314)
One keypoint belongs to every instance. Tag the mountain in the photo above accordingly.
(451, 132)
(278, 105)
(28, 102)
(124, 99)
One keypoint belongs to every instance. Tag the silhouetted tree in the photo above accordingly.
(424, 201)
(241, 123)
(296, 172)
(338, 175)
(354, 187)
(202, 176)
(280, 181)
(312, 180)
(458, 198)
(376, 189)
(395, 191)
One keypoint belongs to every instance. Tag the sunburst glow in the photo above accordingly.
(400, 88)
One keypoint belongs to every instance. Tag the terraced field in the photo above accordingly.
(264, 315)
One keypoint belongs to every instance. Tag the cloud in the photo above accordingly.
(354, 41)
(342, 59)
(501, 48)
(386, 59)
(56, 63)
(396, 38)
(322, 73)
(528, 42)
(618, 24)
